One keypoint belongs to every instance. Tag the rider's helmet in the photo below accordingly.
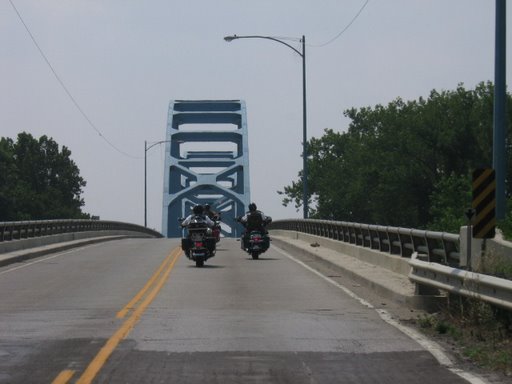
(198, 210)
(252, 207)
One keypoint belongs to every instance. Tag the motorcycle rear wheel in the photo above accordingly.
(255, 255)
(199, 263)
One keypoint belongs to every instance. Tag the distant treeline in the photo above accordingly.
(38, 181)
(405, 164)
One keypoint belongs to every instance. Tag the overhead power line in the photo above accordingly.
(66, 90)
(344, 29)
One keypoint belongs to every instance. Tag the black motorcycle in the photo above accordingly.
(199, 244)
(255, 241)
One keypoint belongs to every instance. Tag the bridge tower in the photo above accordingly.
(206, 162)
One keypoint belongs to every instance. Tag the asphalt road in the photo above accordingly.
(138, 311)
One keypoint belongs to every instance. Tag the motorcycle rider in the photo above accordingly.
(254, 220)
(197, 211)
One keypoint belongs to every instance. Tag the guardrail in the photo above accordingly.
(18, 230)
(440, 247)
(478, 286)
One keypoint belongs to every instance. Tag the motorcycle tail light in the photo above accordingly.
(199, 244)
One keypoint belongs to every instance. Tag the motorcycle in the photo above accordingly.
(199, 244)
(256, 242)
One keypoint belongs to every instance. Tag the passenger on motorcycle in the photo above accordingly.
(254, 220)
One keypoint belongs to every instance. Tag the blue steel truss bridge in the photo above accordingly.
(206, 162)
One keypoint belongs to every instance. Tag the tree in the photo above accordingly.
(38, 181)
(402, 164)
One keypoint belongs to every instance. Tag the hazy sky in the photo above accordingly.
(124, 60)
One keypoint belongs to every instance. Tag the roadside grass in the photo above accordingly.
(476, 331)
(495, 265)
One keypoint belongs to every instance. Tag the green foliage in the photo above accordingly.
(449, 200)
(505, 225)
(38, 181)
(404, 164)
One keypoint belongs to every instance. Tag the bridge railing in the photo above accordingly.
(18, 230)
(439, 247)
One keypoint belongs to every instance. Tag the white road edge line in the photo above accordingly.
(435, 349)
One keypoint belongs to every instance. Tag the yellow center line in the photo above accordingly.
(63, 377)
(100, 359)
(122, 313)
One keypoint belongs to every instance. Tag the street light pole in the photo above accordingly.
(304, 114)
(145, 184)
(304, 133)
(500, 110)
(146, 149)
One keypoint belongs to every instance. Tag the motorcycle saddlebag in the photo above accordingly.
(210, 243)
(186, 244)
(266, 242)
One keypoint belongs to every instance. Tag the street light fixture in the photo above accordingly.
(146, 149)
(304, 120)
